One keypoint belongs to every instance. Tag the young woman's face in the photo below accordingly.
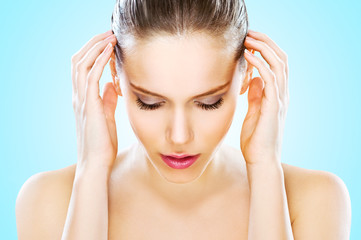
(180, 96)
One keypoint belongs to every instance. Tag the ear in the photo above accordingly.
(114, 75)
(247, 78)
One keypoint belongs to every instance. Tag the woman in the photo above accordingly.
(180, 66)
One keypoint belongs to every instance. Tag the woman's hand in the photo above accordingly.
(268, 99)
(95, 124)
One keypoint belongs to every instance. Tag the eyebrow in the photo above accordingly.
(213, 90)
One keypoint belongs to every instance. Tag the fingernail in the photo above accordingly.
(111, 37)
(251, 31)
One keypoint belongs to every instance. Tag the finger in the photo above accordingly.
(92, 83)
(110, 99)
(270, 89)
(97, 38)
(85, 65)
(79, 55)
(276, 64)
(265, 38)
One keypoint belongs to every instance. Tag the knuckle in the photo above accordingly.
(283, 109)
(282, 64)
(93, 39)
(80, 66)
(273, 77)
(74, 59)
(74, 97)
(75, 104)
(263, 35)
(279, 105)
(262, 45)
(90, 77)
(285, 56)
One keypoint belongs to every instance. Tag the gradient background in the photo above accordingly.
(37, 128)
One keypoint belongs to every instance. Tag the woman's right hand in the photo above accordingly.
(95, 123)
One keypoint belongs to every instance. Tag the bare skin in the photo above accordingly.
(110, 196)
(223, 213)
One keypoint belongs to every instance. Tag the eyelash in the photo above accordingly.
(213, 106)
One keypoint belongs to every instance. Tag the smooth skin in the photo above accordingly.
(261, 140)
(284, 202)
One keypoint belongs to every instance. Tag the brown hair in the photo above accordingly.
(142, 19)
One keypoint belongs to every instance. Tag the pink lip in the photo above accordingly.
(179, 155)
(178, 162)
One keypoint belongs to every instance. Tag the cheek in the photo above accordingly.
(214, 125)
(145, 124)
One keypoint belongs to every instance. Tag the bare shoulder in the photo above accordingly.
(312, 185)
(320, 203)
(43, 200)
(42, 203)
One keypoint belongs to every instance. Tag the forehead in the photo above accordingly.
(194, 59)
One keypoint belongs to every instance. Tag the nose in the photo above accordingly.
(179, 131)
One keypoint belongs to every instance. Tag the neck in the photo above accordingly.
(185, 194)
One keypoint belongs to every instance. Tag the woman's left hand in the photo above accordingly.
(268, 99)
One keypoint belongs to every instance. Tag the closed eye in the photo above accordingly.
(155, 106)
(213, 106)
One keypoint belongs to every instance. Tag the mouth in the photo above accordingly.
(179, 161)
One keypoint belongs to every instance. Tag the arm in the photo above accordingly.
(87, 213)
(324, 205)
(87, 216)
(261, 140)
(269, 216)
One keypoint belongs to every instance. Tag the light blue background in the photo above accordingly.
(37, 130)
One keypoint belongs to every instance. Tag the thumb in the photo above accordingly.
(255, 94)
(110, 100)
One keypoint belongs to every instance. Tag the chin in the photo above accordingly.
(180, 176)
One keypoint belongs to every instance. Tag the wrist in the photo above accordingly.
(265, 171)
(272, 164)
(262, 158)
(99, 172)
